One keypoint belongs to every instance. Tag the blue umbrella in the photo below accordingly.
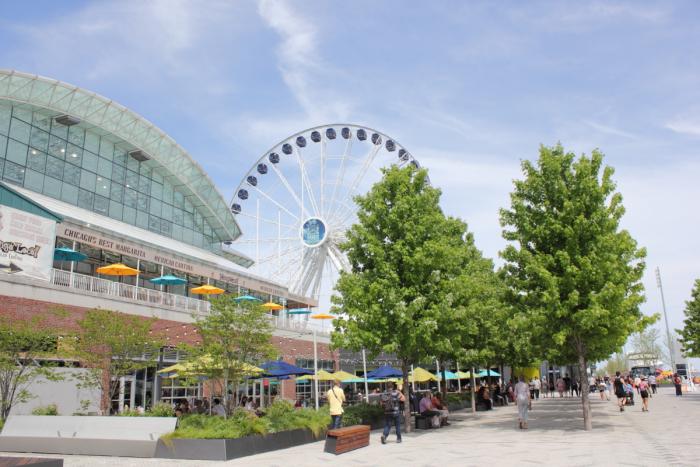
(168, 280)
(485, 374)
(246, 298)
(385, 371)
(68, 254)
(277, 368)
(448, 375)
(299, 311)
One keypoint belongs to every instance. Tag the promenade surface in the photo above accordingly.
(666, 435)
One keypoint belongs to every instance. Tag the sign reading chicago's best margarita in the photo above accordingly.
(26, 243)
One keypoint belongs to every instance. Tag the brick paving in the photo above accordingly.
(666, 435)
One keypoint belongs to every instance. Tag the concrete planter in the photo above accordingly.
(225, 449)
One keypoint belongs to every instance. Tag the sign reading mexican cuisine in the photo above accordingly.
(26, 243)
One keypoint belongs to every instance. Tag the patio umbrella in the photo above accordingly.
(246, 298)
(68, 254)
(448, 375)
(420, 375)
(299, 311)
(485, 374)
(168, 280)
(322, 375)
(464, 374)
(385, 371)
(322, 316)
(272, 306)
(275, 368)
(117, 269)
(207, 290)
(341, 375)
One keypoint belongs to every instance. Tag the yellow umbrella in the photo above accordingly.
(195, 367)
(173, 368)
(321, 375)
(272, 306)
(464, 374)
(341, 375)
(117, 269)
(420, 375)
(207, 290)
(322, 316)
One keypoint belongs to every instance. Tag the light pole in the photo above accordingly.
(315, 371)
(671, 349)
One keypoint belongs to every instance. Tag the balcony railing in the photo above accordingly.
(97, 286)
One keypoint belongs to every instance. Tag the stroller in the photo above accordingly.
(630, 398)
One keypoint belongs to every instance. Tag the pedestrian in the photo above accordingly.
(538, 387)
(561, 387)
(637, 382)
(644, 393)
(619, 387)
(522, 397)
(652, 383)
(336, 397)
(677, 383)
(392, 416)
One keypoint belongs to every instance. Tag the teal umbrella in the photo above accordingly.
(246, 298)
(299, 311)
(168, 280)
(485, 374)
(68, 254)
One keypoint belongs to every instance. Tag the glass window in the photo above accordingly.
(92, 142)
(103, 186)
(132, 179)
(85, 199)
(87, 180)
(154, 224)
(116, 192)
(155, 207)
(188, 206)
(36, 160)
(5, 117)
(145, 170)
(20, 130)
(115, 210)
(166, 227)
(143, 201)
(52, 187)
(57, 147)
(179, 199)
(177, 232)
(54, 167)
(34, 180)
(129, 215)
(168, 194)
(120, 156)
(156, 176)
(118, 173)
(157, 190)
(90, 162)
(130, 197)
(167, 212)
(187, 235)
(101, 204)
(23, 114)
(178, 216)
(106, 148)
(132, 164)
(3, 145)
(13, 172)
(144, 184)
(76, 135)
(17, 152)
(39, 139)
(71, 174)
(74, 155)
(104, 168)
(41, 121)
(59, 130)
(69, 193)
(188, 220)
(141, 219)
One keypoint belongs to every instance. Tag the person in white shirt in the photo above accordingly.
(522, 398)
(218, 409)
(538, 387)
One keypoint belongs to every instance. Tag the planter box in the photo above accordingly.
(225, 449)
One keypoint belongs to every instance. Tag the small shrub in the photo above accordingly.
(161, 409)
(2, 424)
(130, 413)
(362, 414)
(238, 425)
(50, 409)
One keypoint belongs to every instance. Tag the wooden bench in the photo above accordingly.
(346, 439)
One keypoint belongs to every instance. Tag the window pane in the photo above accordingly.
(71, 174)
(54, 167)
(92, 142)
(17, 152)
(145, 185)
(142, 219)
(20, 130)
(13, 172)
(3, 145)
(155, 207)
(39, 139)
(59, 130)
(101, 204)
(118, 173)
(166, 227)
(57, 147)
(120, 156)
(52, 187)
(85, 199)
(87, 180)
(103, 186)
(154, 224)
(69, 194)
(167, 212)
(132, 180)
(36, 160)
(90, 161)
(106, 148)
(115, 210)
(178, 216)
(76, 135)
(34, 180)
(143, 202)
(130, 197)
(104, 168)
(116, 192)
(74, 155)
(5, 114)
(41, 121)
(129, 215)
(157, 190)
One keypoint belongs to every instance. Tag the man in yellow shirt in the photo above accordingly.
(336, 397)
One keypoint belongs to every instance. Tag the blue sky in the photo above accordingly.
(470, 88)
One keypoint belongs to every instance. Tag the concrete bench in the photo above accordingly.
(346, 439)
(104, 436)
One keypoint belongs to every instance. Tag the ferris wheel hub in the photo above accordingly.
(314, 232)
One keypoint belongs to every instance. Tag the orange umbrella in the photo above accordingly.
(207, 290)
(322, 316)
(272, 306)
(117, 269)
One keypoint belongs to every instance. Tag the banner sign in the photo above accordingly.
(26, 243)
(180, 263)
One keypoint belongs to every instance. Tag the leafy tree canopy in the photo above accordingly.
(690, 334)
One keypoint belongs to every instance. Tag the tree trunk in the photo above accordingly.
(444, 384)
(473, 391)
(585, 390)
(407, 396)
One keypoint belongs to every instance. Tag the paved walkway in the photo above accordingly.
(666, 435)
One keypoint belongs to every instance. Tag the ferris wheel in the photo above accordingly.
(295, 203)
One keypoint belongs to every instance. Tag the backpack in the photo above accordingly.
(388, 402)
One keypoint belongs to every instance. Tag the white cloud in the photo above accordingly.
(686, 126)
(610, 130)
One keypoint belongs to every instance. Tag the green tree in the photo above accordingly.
(690, 334)
(404, 252)
(22, 343)
(574, 274)
(645, 344)
(114, 345)
(616, 362)
(233, 337)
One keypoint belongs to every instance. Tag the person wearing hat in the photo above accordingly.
(644, 392)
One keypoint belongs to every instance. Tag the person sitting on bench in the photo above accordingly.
(440, 407)
(428, 411)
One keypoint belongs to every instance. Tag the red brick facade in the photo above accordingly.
(64, 317)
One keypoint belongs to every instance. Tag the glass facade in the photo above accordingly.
(95, 172)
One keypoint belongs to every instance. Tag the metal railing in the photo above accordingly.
(97, 286)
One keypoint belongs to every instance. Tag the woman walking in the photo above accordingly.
(677, 383)
(522, 397)
(644, 393)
